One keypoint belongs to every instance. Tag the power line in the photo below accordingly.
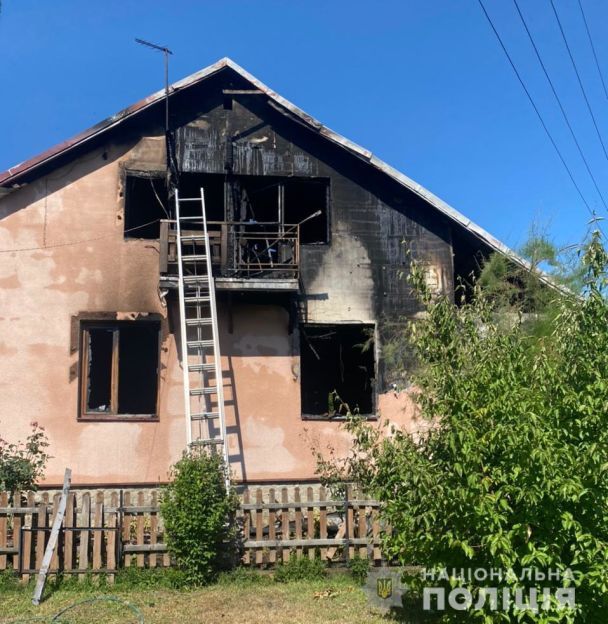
(561, 107)
(578, 76)
(540, 118)
(597, 63)
(78, 242)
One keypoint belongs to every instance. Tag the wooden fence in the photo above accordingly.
(285, 522)
(106, 530)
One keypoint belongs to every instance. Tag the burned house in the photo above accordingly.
(308, 237)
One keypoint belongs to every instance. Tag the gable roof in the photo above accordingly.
(9, 179)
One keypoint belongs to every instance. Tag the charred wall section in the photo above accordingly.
(358, 276)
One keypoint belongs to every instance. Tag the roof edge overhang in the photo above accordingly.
(9, 179)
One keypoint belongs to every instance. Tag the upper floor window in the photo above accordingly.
(146, 203)
(119, 364)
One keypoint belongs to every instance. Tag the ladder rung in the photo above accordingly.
(205, 416)
(197, 368)
(194, 258)
(185, 199)
(193, 237)
(201, 391)
(204, 299)
(207, 441)
(200, 343)
(195, 279)
(198, 321)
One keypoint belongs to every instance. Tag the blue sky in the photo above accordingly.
(421, 83)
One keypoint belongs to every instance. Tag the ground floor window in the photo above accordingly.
(119, 369)
(337, 365)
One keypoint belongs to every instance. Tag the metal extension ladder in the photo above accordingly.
(201, 360)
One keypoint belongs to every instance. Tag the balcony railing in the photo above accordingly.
(241, 250)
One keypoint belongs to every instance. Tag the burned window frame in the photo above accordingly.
(83, 371)
(131, 234)
(372, 415)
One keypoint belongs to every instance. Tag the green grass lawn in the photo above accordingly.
(255, 600)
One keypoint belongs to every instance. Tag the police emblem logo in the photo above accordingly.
(384, 587)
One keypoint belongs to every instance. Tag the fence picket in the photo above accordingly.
(126, 526)
(377, 555)
(111, 537)
(84, 520)
(350, 524)
(3, 530)
(285, 525)
(259, 527)
(362, 531)
(68, 538)
(26, 555)
(246, 527)
(153, 528)
(323, 523)
(54, 565)
(310, 523)
(98, 535)
(272, 555)
(298, 522)
(17, 523)
(140, 538)
(40, 534)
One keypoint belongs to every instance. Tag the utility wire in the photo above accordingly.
(540, 118)
(578, 76)
(597, 63)
(561, 107)
(78, 242)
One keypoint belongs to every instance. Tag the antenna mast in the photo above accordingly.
(171, 169)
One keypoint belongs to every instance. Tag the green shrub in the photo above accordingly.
(510, 474)
(300, 569)
(22, 463)
(199, 517)
(359, 568)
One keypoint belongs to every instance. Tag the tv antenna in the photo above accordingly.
(166, 53)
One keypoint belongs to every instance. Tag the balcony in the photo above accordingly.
(262, 256)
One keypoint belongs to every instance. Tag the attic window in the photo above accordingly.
(119, 369)
(337, 365)
(146, 202)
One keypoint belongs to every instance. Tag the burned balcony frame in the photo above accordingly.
(260, 237)
(260, 250)
(119, 367)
